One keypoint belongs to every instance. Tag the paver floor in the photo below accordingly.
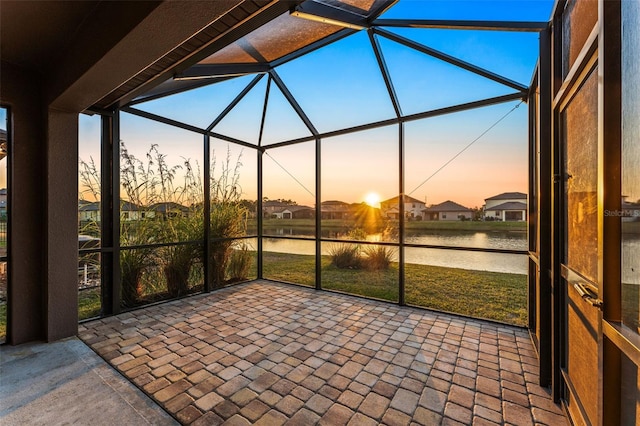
(271, 354)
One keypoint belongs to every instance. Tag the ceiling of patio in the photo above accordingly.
(283, 38)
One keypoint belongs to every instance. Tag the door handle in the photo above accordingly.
(588, 295)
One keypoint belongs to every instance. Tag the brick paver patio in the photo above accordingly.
(271, 354)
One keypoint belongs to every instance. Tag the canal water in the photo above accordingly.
(480, 261)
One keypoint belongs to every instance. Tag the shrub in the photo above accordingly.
(178, 260)
(346, 256)
(358, 234)
(133, 264)
(177, 263)
(228, 220)
(239, 263)
(151, 183)
(377, 258)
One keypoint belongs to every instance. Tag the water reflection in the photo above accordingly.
(509, 240)
(477, 261)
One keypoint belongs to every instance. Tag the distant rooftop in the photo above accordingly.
(508, 196)
(406, 198)
(447, 206)
(513, 205)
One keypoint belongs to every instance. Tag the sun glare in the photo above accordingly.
(372, 199)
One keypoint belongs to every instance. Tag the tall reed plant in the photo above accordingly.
(228, 219)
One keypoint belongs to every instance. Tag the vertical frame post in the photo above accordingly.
(110, 213)
(260, 265)
(207, 212)
(532, 211)
(609, 197)
(401, 225)
(548, 331)
(318, 214)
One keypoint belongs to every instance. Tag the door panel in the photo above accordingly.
(579, 137)
(580, 131)
(578, 19)
(582, 355)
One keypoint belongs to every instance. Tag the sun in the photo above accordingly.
(372, 199)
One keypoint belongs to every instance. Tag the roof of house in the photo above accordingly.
(447, 206)
(293, 209)
(512, 205)
(334, 203)
(274, 203)
(127, 206)
(508, 196)
(167, 206)
(88, 206)
(406, 198)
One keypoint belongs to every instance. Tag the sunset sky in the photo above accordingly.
(340, 86)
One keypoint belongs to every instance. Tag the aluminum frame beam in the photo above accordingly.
(452, 60)
(200, 71)
(321, 12)
(519, 26)
(185, 126)
(412, 117)
(292, 101)
(234, 102)
(384, 70)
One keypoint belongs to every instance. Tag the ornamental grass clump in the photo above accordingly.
(178, 260)
(162, 217)
(359, 256)
(345, 256)
(179, 224)
(377, 258)
(162, 224)
(239, 263)
(228, 219)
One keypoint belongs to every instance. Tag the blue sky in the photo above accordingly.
(340, 86)
(496, 10)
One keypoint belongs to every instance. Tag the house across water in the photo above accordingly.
(508, 206)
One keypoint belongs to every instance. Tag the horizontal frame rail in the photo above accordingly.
(519, 26)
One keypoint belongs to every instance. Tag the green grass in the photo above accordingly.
(293, 268)
(89, 303)
(491, 295)
(480, 294)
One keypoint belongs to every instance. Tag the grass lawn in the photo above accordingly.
(492, 295)
(480, 294)
(88, 303)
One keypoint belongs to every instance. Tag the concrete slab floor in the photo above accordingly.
(65, 382)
